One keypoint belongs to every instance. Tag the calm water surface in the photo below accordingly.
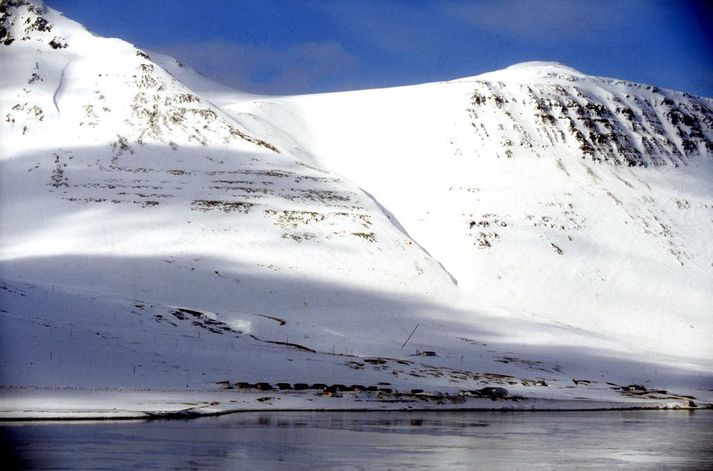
(375, 440)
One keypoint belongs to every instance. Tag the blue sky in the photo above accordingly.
(283, 47)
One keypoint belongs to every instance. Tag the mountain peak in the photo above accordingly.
(531, 72)
(25, 20)
(541, 108)
(544, 67)
(101, 89)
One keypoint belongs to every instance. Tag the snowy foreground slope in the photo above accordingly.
(166, 244)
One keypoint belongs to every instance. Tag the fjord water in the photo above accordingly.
(376, 440)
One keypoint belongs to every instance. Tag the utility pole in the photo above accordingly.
(409, 337)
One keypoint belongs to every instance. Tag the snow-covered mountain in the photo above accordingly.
(519, 229)
(537, 187)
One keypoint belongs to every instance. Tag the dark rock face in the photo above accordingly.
(493, 392)
(616, 122)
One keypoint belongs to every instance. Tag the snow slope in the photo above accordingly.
(164, 238)
(576, 199)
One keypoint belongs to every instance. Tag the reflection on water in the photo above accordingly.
(377, 440)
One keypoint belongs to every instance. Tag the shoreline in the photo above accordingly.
(148, 405)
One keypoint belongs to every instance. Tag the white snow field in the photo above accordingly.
(529, 238)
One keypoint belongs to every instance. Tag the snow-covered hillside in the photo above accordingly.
(582, 200)
(164, 238)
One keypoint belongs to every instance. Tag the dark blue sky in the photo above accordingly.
(282, 46)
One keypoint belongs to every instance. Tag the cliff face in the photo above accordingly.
(602, 120)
